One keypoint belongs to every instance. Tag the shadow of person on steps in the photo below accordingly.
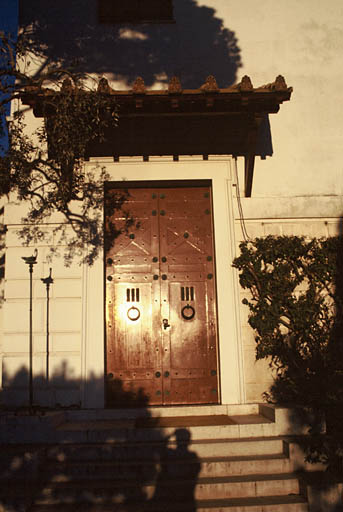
(182, 466)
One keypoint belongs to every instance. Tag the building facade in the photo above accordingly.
(158, 317)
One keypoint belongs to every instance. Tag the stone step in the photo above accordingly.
(126, 430)
(165, 411)
(222, 474)
(258, 504)
(101, 425)
(177, 490)
(97, 425)
(112, 451)
(210, 467)
(265, 504)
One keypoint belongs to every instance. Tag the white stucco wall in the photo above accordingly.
(303, 41)
(66, 320)
(301, 216)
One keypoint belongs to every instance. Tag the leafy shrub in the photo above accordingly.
(296, 310)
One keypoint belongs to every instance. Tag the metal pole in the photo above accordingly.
(47, 281)
(30, 261)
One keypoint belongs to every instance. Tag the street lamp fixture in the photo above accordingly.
(30, 261)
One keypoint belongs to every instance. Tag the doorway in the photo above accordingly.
(161, 326)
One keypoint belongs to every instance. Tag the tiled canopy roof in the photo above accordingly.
(210, 85)
(272, 94)
(176, 121)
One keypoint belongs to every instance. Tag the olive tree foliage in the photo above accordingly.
(45, 168)
(295, 303)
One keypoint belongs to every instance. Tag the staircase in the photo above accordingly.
(180, 459)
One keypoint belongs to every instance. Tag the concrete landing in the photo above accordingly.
(98, 425)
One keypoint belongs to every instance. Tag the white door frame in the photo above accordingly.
(219, 171)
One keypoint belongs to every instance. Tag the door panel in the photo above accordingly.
(186, 239)
(161, 311)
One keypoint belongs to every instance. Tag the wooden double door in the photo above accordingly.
(161, 329)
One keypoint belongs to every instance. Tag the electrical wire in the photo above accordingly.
(240, 208)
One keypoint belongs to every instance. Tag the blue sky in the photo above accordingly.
(8, 23)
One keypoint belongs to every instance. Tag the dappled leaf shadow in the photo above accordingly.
(58, 455)
(67, 37)
(197, 45)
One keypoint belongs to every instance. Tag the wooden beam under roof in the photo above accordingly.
(176, 121)
(249, 158)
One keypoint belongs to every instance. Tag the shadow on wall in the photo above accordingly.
(89, 464)
(63, 391)
(2, 254)
(196, 46)
(264, 144)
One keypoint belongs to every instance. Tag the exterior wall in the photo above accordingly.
(77, 294)
(66, 317)
(296, 191)
(302, 41)
(77, 300)
(300, 216)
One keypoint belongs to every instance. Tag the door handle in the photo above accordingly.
(166, 324)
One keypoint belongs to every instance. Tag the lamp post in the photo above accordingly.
(47, 281)
(30, 261)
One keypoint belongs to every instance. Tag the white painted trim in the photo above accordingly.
(93, 387)
(219, 171)
(84, 316)
(234, 189)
